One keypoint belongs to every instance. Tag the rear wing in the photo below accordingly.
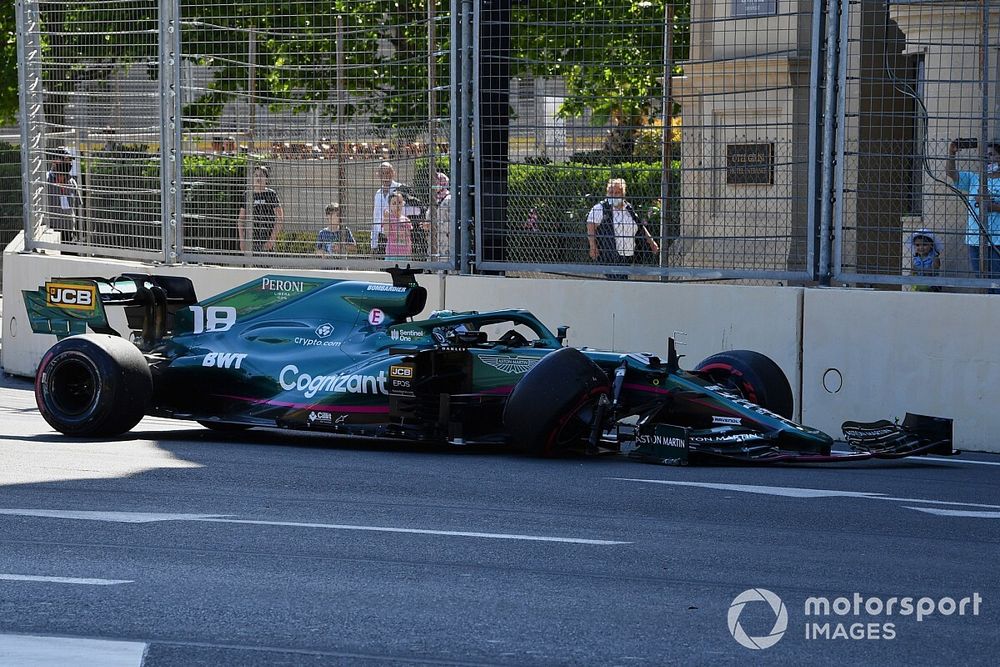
(68, 306)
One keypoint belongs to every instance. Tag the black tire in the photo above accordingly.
(543, 411)
(94, 385)
(754, 376)
(224, 427)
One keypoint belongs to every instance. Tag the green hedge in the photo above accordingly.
(562, 195)
(124, 198)
(11, 196)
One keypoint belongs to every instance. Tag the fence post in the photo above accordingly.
(816, 116)
(830, 194)
(29, 54)
(171, 155)
(465, 147)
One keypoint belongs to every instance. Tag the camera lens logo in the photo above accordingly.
(780, 618)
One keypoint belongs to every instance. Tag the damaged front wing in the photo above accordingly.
(667, 444)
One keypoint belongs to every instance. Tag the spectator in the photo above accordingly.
(334, 239)
(442, 233)
(65, 197)
(387, 178)
(926, 257)
(267, 217)
(397, 229)
(613, 229)
(978, 226)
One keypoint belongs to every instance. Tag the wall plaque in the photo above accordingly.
(750, 164)
(751, 8)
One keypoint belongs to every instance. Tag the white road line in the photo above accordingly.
(419, 531)
(64, 580)
(786, 491)
(145, 517)
(798, 492)
(38, 651)
(115, 517)
(936, 459)
(965, 513)
(954, 460)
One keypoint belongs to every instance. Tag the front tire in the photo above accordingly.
(752, 375)
(93, 385)
(549, 409)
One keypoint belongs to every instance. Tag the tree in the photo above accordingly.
(609, 55)
(295, 62)
(8, 64)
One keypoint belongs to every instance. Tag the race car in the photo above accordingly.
(347, 358)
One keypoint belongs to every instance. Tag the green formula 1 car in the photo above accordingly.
(346, 358)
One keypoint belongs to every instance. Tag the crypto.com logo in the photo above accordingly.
(780, 618)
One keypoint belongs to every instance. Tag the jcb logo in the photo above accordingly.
(79, 297)
(401, 371)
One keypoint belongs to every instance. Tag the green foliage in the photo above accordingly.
(124, 198)
(385, 59)
(11, 198)
(613, 72)
(8, 64)
(562, 196)
(296, 243)
(214, 188)
(609, 59)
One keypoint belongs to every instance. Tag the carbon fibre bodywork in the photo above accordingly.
(346, 357)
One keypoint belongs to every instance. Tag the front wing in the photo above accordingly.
(667, 444)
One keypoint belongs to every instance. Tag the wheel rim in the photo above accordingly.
(575, 424)
(72, 386)
(729, 378)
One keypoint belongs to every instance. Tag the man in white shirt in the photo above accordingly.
(612, 229)
(387, 177)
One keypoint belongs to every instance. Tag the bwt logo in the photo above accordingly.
(780, 618)
(80, 297)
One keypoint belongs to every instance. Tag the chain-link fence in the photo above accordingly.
(751, 139)
(921, 102)
(198, 130)
(11, 209)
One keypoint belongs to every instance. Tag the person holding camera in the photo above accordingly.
(979, 227)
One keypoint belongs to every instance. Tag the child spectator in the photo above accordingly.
(334, 239)
(926, 257)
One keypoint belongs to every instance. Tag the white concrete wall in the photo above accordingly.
(894, 351)
(901, 352)
(640, 316)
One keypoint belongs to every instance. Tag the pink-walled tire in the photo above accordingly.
(754, 376)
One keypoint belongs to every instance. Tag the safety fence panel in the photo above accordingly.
(919, 118)
(221, 132)
(89, 107)
(294, 118)
(723, 192)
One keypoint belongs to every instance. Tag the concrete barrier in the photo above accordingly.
(882, 354)
(640, 316)
(848, 354)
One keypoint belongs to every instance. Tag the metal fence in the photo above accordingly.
(801, 141)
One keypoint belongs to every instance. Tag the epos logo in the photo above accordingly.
(78, 297)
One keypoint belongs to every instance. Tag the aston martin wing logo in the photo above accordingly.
(509, 363)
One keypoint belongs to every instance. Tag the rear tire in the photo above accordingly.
(93, 385)
(754, 376)
(546, 411)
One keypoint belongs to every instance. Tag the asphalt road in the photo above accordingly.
(179, 546)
